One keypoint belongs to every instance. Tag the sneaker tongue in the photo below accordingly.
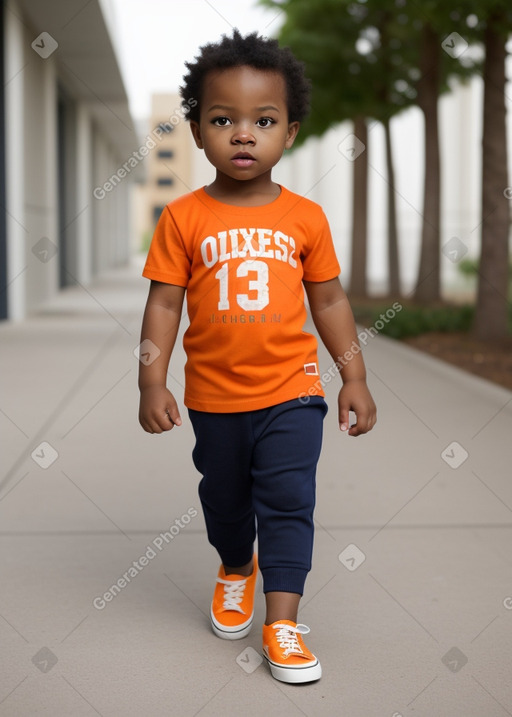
(234, 577)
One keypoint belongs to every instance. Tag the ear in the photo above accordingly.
(196, 134)
(293, 129)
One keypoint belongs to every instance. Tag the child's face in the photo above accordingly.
(243, 125)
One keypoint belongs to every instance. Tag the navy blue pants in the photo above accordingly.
(259, 469)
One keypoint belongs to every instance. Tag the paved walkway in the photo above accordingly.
(409, 600)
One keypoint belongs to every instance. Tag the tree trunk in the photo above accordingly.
(359, 213)
(393, 257)
(491, 309)
(428, 282)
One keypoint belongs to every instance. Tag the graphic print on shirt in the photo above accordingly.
(258, 245)
(243, 269)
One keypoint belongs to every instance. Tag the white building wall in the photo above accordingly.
(99, 238)
(119, 218)
(110, 213)
(461, 130)
(99, 206)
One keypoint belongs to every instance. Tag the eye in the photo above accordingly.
(264, 122)
(221, 121)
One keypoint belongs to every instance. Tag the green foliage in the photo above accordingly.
(363, 56)
(415, 320)
(469, 268)
(145, 242)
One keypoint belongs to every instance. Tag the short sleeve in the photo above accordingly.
(319, 259)
(168, 260)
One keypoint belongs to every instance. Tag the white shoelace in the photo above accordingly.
(233, 594)
(287, 637)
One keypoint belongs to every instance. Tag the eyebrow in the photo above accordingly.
(258, 109)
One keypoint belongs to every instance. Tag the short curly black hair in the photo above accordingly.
(254, 51)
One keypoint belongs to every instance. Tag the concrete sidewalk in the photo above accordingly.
(410, 597)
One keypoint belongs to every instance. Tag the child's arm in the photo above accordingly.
(335, 324)
(158, 408)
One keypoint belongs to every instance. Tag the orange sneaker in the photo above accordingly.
(232, 609)
(288, 657)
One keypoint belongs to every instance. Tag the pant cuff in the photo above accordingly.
(286, 580)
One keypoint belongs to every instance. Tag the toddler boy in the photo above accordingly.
(244, 249)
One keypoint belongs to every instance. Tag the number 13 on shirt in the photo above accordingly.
(259, 284)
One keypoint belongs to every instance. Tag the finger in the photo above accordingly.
(158, 423)
(145, 424)
(356, 430)
(363, 424)
(164, 422)
(173, 415)
(344, 418)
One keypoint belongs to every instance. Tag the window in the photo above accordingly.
(166, 127)
(165, 181)
(165, 153)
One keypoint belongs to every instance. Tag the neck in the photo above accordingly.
(251, 192)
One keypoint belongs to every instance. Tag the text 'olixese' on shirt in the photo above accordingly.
(243, 269)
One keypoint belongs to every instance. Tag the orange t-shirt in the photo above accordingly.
(243, 269)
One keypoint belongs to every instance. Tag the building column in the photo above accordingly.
(15, 164)
(84, 196)
(45, 276)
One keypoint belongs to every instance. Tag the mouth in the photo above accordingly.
(243, 159)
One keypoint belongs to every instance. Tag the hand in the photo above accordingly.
(355, 396)
(158, 410)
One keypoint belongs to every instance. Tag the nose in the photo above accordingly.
(242, 135)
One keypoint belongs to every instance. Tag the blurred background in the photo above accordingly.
(406, 149)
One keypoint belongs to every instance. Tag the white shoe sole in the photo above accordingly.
(295, 675)
(226, 632)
